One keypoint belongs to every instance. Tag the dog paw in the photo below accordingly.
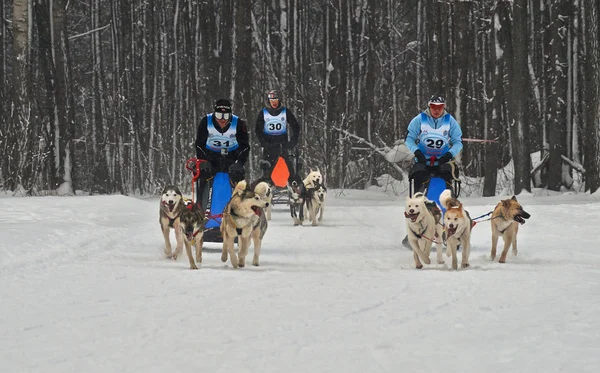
(502, 260)
(193, 266)
(315, 224)
(441, 262)
(175, 256)
(427, 261)
(419, 266)
(255, 263)
(199, 259)
(224, 257)
(492, 257)
(514, 252)
(465, 265)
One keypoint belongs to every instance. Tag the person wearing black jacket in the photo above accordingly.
(222, 140)
(278, 132)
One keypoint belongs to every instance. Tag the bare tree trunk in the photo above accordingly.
(19, 135)
(557, 114)
(592, 93)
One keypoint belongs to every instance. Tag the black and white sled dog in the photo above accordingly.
(192, 221)
(297, 196)
(243, 216)
(171, 205)
(315, 202)
(423, 228)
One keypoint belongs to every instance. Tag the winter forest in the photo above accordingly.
(106, 95)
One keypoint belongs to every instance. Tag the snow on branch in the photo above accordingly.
(573, 164)
(384, 152)
(89, 32)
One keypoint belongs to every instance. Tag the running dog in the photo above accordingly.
(423, 228)
(192, 221)
(506, 218)
(243, 216)
(266, 193)
(297, 196)
(458, 225)
(171, 205)
(313, 178)
(315, 202)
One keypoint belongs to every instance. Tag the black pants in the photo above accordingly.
(271, 154)
(420, 174)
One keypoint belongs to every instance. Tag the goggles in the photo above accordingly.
(222, 115)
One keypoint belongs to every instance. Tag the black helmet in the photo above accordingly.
(437, 100)
(223, 106)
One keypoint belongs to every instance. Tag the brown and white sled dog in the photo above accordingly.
(458, 226)
(423, 227)
(506, 218)
(243, 216)
(171, 205)
(266, 193)
(315, 202)
(192, 221)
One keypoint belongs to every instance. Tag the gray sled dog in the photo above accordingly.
(171, 205)
(315, 202)
(243, 216)
(192, 221)
(458, 225)
(506, 218)
(423, 227)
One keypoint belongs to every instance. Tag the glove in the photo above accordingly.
(420, 156)
(206, 170)
(444, 159)
(236, 172)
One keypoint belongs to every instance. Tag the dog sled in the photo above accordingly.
(215, 196)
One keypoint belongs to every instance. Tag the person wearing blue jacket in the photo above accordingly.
(435, 138)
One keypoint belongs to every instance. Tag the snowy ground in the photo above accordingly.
(86, 289)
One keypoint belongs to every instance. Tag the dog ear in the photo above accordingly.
(514, 198)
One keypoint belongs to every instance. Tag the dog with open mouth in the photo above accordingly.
(423, 228)
(244, 217)
(506, 217)
(192, 220)
(458, 225)
(171, 205)
(315, 202)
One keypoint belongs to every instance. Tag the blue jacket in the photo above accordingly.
(414, 132)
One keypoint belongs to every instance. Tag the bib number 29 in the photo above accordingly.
(434, 144)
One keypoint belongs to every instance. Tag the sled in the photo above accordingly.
(216, 195)
(279, 178)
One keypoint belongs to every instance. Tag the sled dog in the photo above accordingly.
(506, 217)
(171, 205)
(297, 195)
(243, 216)
(313, 178)
(423, 227)
(458, 226)
(192, 221)
(266, 193)
(315, 202)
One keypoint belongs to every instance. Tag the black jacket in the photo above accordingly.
(273, 141)
(217, 159)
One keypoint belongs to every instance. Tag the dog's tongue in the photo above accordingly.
(171, 206)
(256, 210)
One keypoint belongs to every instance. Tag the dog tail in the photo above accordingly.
(240, 187)
(445, 197)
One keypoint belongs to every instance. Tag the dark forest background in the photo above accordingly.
(105, 95)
